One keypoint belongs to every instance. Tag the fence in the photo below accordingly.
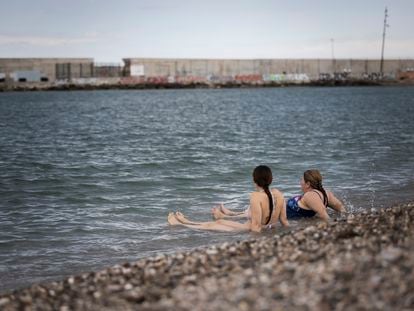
(69, 71)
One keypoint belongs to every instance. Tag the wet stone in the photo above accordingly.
(391, 254)
(361, 260)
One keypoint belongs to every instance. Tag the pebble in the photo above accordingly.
(391, 254)
(4, 301)
(128, 286)
(358, 261)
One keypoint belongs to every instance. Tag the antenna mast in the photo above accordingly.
(383, 41)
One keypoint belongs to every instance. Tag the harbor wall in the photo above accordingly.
(263, 70)
(47, 72)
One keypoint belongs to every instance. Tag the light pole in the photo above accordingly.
(333, 57)
(383, 41)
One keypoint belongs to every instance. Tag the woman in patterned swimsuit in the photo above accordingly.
(314, 200)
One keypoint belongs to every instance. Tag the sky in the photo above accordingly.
(109, 31)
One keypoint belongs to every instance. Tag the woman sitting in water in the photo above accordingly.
(314, 200)
(266, 207)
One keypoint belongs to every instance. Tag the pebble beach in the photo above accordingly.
(361, 262)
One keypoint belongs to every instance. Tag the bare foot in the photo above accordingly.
(217, 213)
(172, 220)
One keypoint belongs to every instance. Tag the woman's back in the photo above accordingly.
(263, 201)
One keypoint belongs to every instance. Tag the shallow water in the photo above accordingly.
(87, 178)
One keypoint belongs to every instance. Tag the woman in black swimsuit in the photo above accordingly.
(267, 205)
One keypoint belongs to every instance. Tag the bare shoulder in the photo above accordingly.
(255, 195)
(277, 192)
(311, 195)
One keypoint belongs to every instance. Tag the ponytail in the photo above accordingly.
(325, 195)
(269, 195)
(262, 176)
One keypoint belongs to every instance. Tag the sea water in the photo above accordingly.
(87, 178)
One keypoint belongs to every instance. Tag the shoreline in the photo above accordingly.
(364, 261)
(198, 85)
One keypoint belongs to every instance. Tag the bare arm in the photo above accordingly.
(280, 212)
(335, 203)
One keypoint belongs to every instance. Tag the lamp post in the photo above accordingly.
(333, 57)
(383, 41)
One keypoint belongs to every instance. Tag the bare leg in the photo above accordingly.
(181, 218)
(217, 213)
(228, 212)
(234, 224)
(220, 225)
(220, 212)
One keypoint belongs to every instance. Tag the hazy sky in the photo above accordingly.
(111, 30)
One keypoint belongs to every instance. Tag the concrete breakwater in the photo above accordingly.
(114, 85)
(364, 261)
(84, 73)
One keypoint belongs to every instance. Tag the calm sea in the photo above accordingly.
(88, 178)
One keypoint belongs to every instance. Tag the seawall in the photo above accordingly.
(118, 85)
(83, 73)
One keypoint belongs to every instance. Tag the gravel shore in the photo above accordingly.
(364, 262)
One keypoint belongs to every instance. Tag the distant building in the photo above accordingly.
(260, 70)
(17, 70)
(44, 72)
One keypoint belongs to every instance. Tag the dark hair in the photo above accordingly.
(262, 176)
(314, 178)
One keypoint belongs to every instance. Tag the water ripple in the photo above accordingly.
(87, 178)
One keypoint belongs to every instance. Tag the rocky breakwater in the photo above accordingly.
(363, 262)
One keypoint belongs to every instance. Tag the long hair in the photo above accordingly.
(314, 178)
(262, 176)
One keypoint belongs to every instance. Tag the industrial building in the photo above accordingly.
(18, 70)
(44, 72)
(263, 70)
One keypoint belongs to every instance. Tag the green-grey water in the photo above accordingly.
(88, 178)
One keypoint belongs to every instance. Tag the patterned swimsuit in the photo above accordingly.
(293, 210)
